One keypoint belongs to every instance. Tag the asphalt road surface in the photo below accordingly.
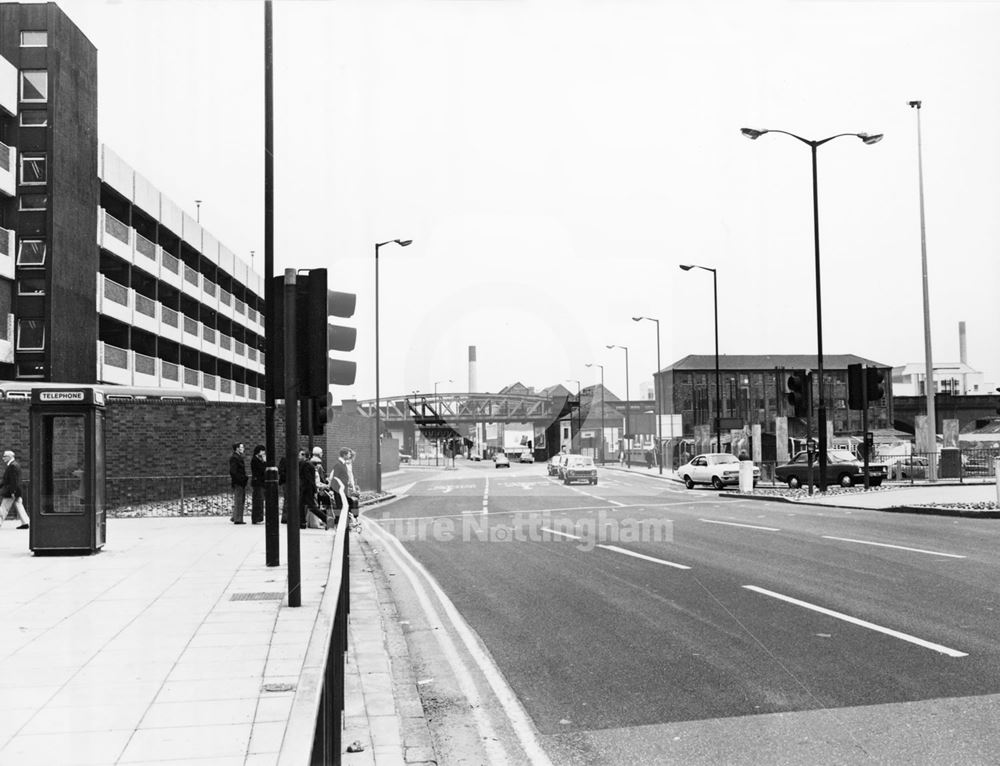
(640, 622)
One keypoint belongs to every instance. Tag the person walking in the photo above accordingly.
(321, 510)
(258, 465)
(10, 490)
(307, 489)
(343, 473)
(238, 479)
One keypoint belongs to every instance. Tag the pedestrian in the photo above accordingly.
(307, 489)
(621, 458)
(238, 479)
(649, 458)
(258, 465)
(10, 490)
(319, 518)
(343, 473)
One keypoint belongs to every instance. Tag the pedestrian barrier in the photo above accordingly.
(316, 722)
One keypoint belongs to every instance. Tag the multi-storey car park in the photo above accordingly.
(156, 300)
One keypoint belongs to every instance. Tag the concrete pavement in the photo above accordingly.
(175, 645)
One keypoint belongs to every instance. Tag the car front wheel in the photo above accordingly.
(717, 482)
(845, 480)
(688, 483)
(793, 482)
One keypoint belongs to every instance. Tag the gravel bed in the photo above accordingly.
(207, 505)
(803, 494)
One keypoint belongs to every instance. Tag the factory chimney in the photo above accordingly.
(472, 369)
(962, 356)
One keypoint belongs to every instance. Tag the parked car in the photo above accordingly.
(842, 467)
(715, 468)
(579, 468)
(561, 465)
(500, 460)
(404, 458)
(475, 456)
(552, 466)
(526, 457)
(908, 467)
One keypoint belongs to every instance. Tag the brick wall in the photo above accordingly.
(173, 439)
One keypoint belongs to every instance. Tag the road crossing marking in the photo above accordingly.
(563, 534)
(616, 549)
(734, 524)
(862, 623)
(898, 547)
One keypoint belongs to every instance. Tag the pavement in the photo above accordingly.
(175, 645)
(941, 497)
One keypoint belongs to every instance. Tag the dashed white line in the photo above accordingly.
(861, 623)
(616, 549)
(734, 524)
(486, 496)
(897, 547)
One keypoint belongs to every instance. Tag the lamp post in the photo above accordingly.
(659, 399)
(578, 424)
(930, 388)
(378, 403)
(718, 385)
(602, 407)
(754, 134)
(197, 204)
(437, 442)
(628, 429)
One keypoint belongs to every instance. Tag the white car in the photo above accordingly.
(715, 468)
(500, 460)
(526, 457)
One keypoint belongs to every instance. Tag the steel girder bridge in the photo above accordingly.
(453, 409)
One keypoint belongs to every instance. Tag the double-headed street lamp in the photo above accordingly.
(659, 399)
(625, 442)
(754, 134)
(578, 424)
(602, 406)
(378, 403)
(718, 385)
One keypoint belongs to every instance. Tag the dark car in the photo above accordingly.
(579, 468)
(842, 467)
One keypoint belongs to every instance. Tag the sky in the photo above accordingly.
(555, 162)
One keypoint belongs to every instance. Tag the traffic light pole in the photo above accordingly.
(864, 424)
(272, 555)
(291, 444)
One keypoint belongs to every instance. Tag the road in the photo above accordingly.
(640, 622)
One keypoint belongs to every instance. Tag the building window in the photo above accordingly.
(30, 370)
(31, 286)
(33, 118)
(34, 39)
(30, 335)
(35, 86)
(33, 169)
(33, 202)
(31, 252)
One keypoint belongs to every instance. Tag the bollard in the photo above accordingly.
(272, 549)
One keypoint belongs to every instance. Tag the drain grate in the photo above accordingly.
(262, 596)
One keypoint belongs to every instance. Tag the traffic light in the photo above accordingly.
(874, 379)
(798, 393)
(312, 420)
(855, 387)
(315, 337)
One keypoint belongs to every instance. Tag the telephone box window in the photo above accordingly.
(63, 464)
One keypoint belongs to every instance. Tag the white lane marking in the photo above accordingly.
(734, 524)
(897, 547)
(859, 622)
(616, 549)
(486, 496)
(516, 715)
(563, 534)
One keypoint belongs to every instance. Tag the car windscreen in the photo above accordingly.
(580, 462)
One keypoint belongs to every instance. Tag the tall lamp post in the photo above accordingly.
(378, 403)
(602, 407)
(628, 428)
(578, 423)
(753, 134)
(437, 442)
(656, 388)
(718, 385)
(929, 388)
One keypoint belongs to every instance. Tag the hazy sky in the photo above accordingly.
(554, 162)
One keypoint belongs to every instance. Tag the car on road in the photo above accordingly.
(908, 467)
(552, 466)
(500, 460)
(579, 468)
(842, 467)
(526, 457)
(715, 468)
(404, 458)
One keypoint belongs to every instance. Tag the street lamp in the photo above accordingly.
(378, 403)
(718, 385)
(754, 134)
(930, 388)
(602, 407)
(574, 380)
(656, 388)
(628, 429)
